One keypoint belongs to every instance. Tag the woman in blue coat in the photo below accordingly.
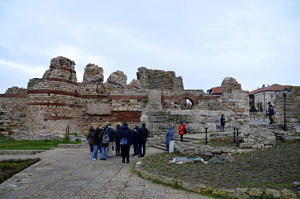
(125, 141)
(169, 137)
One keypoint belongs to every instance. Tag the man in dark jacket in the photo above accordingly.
(117, 140)
(125, 141)
(95, 143)
(142, 137)
(90, 137)
(222, 123)
(111, 145)
(270, 112)
(135, 140)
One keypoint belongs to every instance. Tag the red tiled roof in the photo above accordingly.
(215, 90)
(273, 87)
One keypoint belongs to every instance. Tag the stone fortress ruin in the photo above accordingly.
(156, 97)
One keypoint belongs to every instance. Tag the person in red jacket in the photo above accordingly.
(181, 130)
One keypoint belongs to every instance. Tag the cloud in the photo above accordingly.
(26, 69)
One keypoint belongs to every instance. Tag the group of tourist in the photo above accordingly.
(106, 139)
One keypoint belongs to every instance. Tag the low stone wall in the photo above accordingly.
(190, 149)
(259, 131)
(20, 152)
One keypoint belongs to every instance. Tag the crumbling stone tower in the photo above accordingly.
(53, 101)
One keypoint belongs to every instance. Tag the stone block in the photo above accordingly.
(273, 192)
(97, 109)
(241, 193)
(255, 192)
(93, 73)
(216, 151)
(118, 78)
(288, 194)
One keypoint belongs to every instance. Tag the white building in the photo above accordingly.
(263, 95)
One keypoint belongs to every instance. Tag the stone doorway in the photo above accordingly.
(186, 104)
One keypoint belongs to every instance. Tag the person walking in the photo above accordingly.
(95, 143)
(142, 137)
(169, 137)
(90, 137)
(135, 140)
(222, 123)
(125, 141)
(182, 130)
(270, 112)
(104, 141)
(111, 145)
(117, 140)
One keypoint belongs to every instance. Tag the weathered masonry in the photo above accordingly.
(57, 100)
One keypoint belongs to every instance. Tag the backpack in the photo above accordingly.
(124, 141)
(105, 138)
(90, 137)
(271, 111)
(185, 130)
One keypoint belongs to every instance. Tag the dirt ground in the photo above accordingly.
(272, 168)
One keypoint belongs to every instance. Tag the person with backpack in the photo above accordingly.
(135, 140)
(142, 137)
(104, 141)
(95, 143)
(111, 135)
(117, 140)
(125, 141)
(89, 138)
(182, 130)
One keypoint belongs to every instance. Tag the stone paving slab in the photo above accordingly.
(70, 173)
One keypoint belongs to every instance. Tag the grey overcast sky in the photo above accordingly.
(255, 41)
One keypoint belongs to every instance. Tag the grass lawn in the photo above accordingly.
(272, 168)
(7, 143)
(224, 142)
(9, 168)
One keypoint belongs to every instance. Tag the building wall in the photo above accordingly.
(265, 97)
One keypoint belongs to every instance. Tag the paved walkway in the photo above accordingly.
(70, 173)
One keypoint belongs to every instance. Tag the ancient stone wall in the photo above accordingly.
(51, 103)
(158, 79)
(119, 106)
(236, 100)
(13, 113)
(205, 109)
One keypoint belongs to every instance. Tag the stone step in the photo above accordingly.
(159, 147)
(185, 139)
(189, 138)
(221, 134)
